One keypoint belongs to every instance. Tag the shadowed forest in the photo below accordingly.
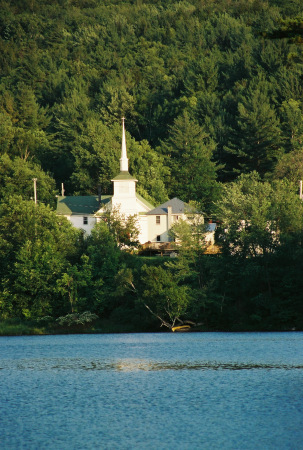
(212, 93)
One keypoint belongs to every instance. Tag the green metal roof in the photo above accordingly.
(87, 204)
(145, 202)
(81, 204)
(124, 176)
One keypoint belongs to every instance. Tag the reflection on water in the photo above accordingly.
(152, 391)
(133, 365)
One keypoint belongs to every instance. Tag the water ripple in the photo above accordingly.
(156, 391)
(133, 365)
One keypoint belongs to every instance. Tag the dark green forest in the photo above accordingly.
(212, 93)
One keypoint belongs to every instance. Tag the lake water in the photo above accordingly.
(152, 391)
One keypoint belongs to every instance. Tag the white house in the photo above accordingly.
(154, 223)
(161, 219)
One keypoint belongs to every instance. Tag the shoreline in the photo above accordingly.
(17, 327)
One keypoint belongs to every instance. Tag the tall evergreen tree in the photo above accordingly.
(189, 152)
(256, 141)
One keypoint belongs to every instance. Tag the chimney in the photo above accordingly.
(169, 217)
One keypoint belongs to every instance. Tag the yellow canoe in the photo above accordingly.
(181, 328)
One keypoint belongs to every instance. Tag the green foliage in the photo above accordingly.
(290, 166)
(292, 123)
(193, 173)
(16, 178)
(190, 235)
(96, 156)
(208, 94)
(123, 228)
(256, 141)
(77, 319)
(150, 171)
(256, 216)
(35, 247)
(38, 265)
(164, 295)
(70, 71)
(15, 327)
(77, 284)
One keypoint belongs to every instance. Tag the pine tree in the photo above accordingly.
(256, 141)
(189, 152)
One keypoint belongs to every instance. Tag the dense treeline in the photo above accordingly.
(202, 89)
(211, 90)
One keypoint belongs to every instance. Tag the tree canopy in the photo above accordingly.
(204, 72)
(213, 100)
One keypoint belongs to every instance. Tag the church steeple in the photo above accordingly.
(123, 159)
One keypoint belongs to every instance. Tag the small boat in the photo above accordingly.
(181, 328)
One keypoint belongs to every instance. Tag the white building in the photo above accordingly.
(154, 223)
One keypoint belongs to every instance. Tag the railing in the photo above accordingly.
(158, 246)
(170, 247)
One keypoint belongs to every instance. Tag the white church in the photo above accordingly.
(153, 223)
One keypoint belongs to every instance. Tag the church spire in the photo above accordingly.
(123, 159)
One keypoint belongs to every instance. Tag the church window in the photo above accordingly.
(158, 238)
(85, 220)
(158, 219)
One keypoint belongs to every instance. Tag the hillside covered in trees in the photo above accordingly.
(212, 92)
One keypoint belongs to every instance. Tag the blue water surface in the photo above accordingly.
(152, 391)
